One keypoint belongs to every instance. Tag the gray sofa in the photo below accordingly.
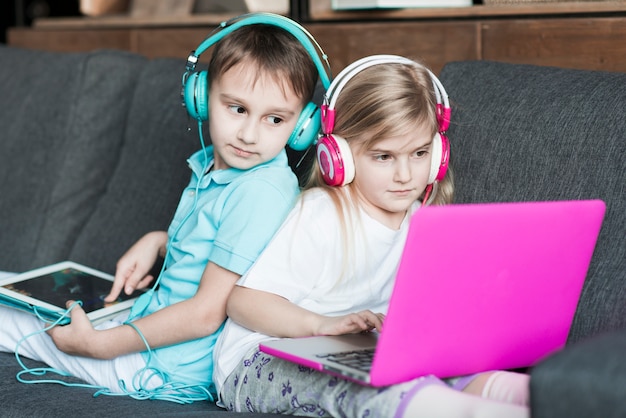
(93, 150)
(538, 133)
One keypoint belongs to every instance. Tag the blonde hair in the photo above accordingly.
(381, 101)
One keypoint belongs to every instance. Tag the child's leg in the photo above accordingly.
(263, 383)
(39, 346)
(501, 386)
(440, 401)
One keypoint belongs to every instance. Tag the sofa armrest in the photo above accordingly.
(585, 380)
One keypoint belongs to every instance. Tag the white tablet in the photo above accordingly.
(45, 290)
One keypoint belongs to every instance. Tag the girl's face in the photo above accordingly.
(251, 117)
(393, 174)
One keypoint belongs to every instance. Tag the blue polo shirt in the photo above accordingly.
(227, 217)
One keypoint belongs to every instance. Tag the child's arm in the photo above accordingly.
(274, 315)
(199, 316)
(246, 213)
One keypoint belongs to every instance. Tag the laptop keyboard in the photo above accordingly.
(358, 359)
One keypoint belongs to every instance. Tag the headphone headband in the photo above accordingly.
(330, 98)
(195, 85)
(333, 152)
(300, 33)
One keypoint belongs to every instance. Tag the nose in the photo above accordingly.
(248, 131)
(402, 173)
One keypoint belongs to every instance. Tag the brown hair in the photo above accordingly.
(273, 50)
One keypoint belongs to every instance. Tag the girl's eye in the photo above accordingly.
(382, 157)
(421, 153)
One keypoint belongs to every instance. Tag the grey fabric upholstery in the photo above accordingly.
(586, 380)
(151, 169)
(45, 400)
(93, 150)
(92, 156)
(524, 133)
(62, 119)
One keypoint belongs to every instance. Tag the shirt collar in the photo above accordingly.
(197, 164)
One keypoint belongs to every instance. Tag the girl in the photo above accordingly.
(330, 268)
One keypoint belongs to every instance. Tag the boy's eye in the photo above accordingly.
(237, 109)
(382, 157)
(421, 153)
(275, 120)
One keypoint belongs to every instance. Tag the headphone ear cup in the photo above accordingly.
(440, 158)
(435, 161)
(335, 160)
(306, 129)
(196, 95)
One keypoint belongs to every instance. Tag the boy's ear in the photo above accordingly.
(307, 128)
(196, 95)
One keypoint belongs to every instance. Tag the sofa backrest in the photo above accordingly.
(62, 119)
(151, 172)
(528, 133)
(93, 152)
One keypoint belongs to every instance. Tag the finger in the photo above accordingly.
(145, 282)
(363, 321)
(73, 305)
(373, 320)
(381, 318)
(116, 288)
(135, 281)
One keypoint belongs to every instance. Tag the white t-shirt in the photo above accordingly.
(306, 263)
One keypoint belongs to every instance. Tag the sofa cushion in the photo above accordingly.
(522, 132)
(62, 117)
(586, 380)
(49, 400)
(151, 172)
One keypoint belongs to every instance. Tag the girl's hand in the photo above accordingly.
(351, 324)
(133, 267)
(78, 337)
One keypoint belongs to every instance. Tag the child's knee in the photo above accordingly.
(503, 386)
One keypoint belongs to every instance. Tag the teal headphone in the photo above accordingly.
(195, 91)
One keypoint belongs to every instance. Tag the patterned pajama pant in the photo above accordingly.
(263, 383)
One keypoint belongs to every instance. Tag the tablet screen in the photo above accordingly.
(60, 286)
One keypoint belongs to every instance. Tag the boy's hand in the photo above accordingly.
(133, 267)
(76, 337)
(351, 324)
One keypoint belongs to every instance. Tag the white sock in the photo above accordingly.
(438, 401)
(508, 387)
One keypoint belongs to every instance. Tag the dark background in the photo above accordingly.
(23, 12)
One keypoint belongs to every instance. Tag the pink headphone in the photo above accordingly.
(333, 152)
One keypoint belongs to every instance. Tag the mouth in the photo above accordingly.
(241, 152)
(402, 193)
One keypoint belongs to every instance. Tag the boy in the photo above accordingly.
(260, 77)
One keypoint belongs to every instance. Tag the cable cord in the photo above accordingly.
(42, 371)
(172, 391)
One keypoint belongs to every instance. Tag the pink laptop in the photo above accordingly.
(479, 287)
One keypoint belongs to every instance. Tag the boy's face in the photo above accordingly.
(251, 117)
(392, 175)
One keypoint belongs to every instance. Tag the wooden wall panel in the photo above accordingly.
(595, 43)
(584, 43)
(434, 43)
(171, 42)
